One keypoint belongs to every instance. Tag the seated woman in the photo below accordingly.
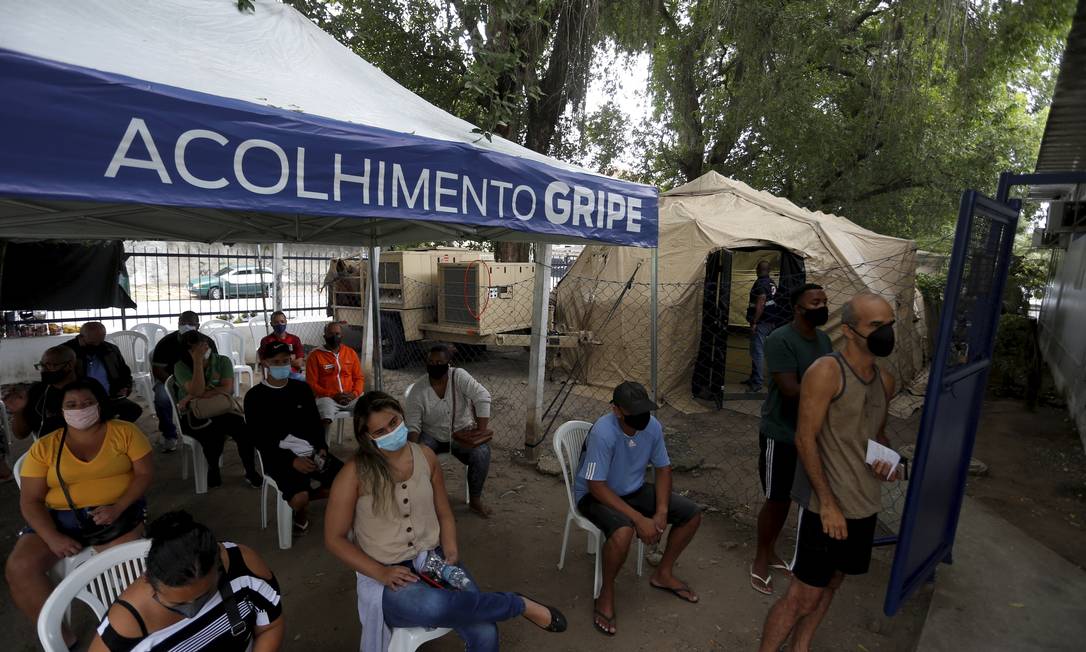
(82, 486)
(197, 594)
(391, 498)
(202, 374)
(279, 334)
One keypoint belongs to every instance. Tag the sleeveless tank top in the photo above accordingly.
(409, 527)
(854, 416)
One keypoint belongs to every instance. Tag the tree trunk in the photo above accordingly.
(512, 252)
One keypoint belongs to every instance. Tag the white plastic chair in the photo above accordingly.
(568, 441)
(65, 566)
(199, 462)
(213, 324)
(232, 345)
(284, 515)
(259, 326)
(98, 583)
(153, 332)
(408, 639)
(448, 457)
(136, 349)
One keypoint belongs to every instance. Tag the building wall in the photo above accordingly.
(1062, 336)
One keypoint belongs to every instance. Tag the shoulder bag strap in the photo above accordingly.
(238, 627)
(452, 388)
(64, 485)
(135, 614)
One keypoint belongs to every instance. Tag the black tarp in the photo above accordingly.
(63, 276)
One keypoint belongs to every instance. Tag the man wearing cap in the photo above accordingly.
(611, 491)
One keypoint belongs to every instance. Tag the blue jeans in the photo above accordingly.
(471, 613)
(164, 411)
(477, 460)
(757, 353)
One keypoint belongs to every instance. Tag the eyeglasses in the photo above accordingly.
(49, 366)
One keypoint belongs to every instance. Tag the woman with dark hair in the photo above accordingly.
(204, 376)
(196, 594)
(82, 485)
(391, 499)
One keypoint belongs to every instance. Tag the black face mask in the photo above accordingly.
(437, 371)
(332, 341)
(638, 421)
(816, 316)
(53, 377)
(880, 342)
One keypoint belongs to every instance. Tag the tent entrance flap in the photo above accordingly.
(729, 275)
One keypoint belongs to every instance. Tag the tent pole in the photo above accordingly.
(653, 326)
(375, 319)
(277, 269)
(537, 352)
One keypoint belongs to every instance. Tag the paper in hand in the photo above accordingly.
(876, 452)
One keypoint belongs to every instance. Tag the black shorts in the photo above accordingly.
(776, 467)
(291, 481)
(679, 509)
(818, 556)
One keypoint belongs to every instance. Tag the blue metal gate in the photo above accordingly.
(959, 374)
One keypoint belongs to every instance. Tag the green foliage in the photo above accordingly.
(1016, 361)
(931, 286)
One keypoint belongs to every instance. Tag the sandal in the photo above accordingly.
(765, 588)
(678, 591)
(558, 620)
(782, 566)
(597, 616)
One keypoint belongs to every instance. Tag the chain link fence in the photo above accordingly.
(482, 311)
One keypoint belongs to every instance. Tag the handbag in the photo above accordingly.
(203, 409)
(91, 533)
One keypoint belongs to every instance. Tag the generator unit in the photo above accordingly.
(485, 298)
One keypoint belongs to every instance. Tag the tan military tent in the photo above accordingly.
(707, 215)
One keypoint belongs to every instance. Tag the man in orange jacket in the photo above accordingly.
(334, 372)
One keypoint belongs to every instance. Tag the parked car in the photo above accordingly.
(233, 282)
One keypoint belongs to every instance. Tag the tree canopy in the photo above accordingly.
(882, 111)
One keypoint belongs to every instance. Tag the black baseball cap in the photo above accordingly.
(274, 348)
(633, 398)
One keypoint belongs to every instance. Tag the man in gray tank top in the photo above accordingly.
(843, 403)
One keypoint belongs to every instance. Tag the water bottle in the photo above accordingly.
(436, 567)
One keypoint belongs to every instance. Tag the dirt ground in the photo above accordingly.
(516, 550)
(1036, 475)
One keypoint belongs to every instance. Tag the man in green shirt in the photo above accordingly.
(789, 350)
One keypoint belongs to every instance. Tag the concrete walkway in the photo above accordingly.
(1004, 591)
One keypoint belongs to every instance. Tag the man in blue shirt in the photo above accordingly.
(611, 491)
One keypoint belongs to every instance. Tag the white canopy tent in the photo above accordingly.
(190, 120)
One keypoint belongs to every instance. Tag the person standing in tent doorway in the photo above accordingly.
(843, 402)
(761, 311)
(789, 351)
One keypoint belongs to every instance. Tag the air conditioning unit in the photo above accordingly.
(485, 298)
(1044, 239)
(1066, 217)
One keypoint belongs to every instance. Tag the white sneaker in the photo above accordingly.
(169, 445)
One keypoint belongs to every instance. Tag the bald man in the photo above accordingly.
(103, 362)
(36, 411)
(843, 402)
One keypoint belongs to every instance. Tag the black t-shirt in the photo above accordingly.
(272, 413)
(44, 412)
(764, 286)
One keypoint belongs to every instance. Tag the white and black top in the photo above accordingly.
(258, 602)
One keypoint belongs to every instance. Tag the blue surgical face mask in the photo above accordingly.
(185, 328)
(394, 440)
(279, 329)
(279, 373)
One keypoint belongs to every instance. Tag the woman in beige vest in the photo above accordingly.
(388, 509)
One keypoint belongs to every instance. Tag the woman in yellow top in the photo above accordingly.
(82, 485)
(391, 500)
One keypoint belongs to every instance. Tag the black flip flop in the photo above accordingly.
(558, 620)
(595, 623)
(677, 592)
